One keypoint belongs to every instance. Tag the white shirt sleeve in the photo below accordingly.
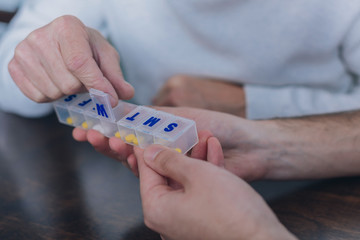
(265, 102)
(273, 102)
(32, 15)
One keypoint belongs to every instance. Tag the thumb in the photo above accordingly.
(170, 163)
(151, 183)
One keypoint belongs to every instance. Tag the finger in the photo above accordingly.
(79, 60)
(169, 163)
(100, 143)
(121, 148)
(200, 150)
(24, 84)
(215, 153)
(34, 71)
(133, 165)
(124, 154)
(79, 134)
(109, 63)
(161, 96)
(41, 80)
(167, 98)
(151, 183)
(168, 102)
(57, 71)
(173, 91)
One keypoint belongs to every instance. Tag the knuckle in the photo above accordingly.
(15, 72)
(20, 51)
(38, 97)
(177, 80)
(173, 98)
(36, 38)
(68, 25)
(111, 50)
(55, 94)
(76, 62)
(165, 159)
(66, 22)
(12, 67)
(71, 87)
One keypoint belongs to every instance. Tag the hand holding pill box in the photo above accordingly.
(135, 125)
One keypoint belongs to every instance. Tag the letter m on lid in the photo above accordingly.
(151, 121)
(101, 110)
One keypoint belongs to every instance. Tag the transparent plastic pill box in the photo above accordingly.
(136, 125)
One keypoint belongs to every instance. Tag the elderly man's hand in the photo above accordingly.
(206, 93)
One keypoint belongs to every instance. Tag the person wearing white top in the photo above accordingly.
(292, 58)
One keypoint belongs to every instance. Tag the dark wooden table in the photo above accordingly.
(52, 187)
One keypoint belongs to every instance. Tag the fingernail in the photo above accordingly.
(151, 152)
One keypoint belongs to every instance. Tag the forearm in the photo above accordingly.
(313, 147)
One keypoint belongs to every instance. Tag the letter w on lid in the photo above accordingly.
(103, 105)
(101, 110)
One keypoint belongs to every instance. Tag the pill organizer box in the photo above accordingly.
(135, 125)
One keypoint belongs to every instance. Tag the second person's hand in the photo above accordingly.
(200, 92)
(117, 149)
(210, 204)
(244, 142)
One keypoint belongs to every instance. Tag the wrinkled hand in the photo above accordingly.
(211, 94)
(245, 142)
(66, 57)
(117, 149)
(211, 203)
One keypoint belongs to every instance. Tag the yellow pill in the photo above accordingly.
(69, 120)
(85, 125)
(135, 141)
(117, 134)
(178, 150)
(129, 138)
(122, 133)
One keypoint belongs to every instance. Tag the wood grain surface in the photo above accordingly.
(52, 187)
